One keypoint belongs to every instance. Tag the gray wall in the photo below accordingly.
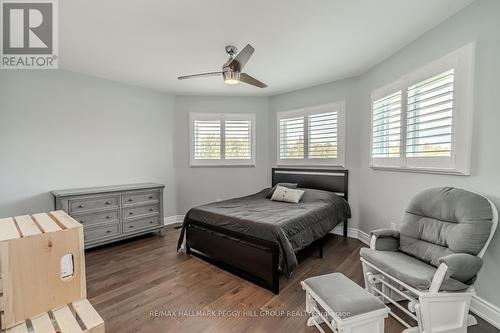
(60, 129)
(478, 22)
(381, 196)
(200, 185)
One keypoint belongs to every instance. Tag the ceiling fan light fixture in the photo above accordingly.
(231, 78)
(232, 69)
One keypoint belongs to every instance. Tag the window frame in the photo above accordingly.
(458, 163)
(222, 117)
(339, 107)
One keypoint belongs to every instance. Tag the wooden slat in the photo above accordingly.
(64, 219)
(46, 223)
(89, 316)
(27, 226)
(66, 321)
(21, 328)
(8, 229)
(42, 324)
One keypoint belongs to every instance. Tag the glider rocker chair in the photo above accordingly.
(433, 260)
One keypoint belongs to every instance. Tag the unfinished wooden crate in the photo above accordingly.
(35, 296)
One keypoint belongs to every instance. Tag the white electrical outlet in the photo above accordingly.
(394, 226)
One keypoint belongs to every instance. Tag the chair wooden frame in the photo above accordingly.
(433, 310)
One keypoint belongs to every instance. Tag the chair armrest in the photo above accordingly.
(462, 266)
(380, 233)
(384, 240)
(459, 266)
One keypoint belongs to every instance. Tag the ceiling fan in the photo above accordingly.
(231, 70)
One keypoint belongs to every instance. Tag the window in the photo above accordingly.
(222, 139)
(423, 122)
(313, 135)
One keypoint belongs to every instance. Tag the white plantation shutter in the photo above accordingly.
(291, 138)
(207, 139)
(238, 139)
(312, 135)
(429, 117)
(427, 124)
(386, 130)
(222, 139)
(322, 130)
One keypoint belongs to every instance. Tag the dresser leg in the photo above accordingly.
(161, 232)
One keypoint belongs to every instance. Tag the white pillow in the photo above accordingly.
(286, 194)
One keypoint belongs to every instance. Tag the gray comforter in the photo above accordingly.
(291, 226)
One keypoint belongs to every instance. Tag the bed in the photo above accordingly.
(263, 235)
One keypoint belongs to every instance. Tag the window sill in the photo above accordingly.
(418, 170)
(222, 165)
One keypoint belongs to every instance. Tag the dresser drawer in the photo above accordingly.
(89, 204)
(96, 218)
(140, 197)
(137, 211)
(107, 230)
(141, 224)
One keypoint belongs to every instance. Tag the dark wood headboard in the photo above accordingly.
(320, 179)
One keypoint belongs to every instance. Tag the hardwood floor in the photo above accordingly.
(143, 285)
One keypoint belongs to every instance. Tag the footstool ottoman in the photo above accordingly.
(342, 305)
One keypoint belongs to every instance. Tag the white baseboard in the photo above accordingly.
(173, 219)
(486, 310)
(352, 233)
(479, 306)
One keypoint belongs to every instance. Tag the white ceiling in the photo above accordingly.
(298, 43)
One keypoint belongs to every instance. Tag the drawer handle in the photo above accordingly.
(82, 221)
(130, 213)
(130, 226)
(108, 231)
(81, 205)
(108, 202)
(150, 197)
(108, 217)
(130, 199)
(151, 222)
(151, 209)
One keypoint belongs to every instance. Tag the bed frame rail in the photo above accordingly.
(249, 257)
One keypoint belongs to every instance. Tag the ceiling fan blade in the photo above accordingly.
(244, 77)
(199, 75)
(241, 59)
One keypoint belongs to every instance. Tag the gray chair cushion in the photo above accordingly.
(462, 266)
(408, 269)
(386, 239)
(343, 296)
(446, 220)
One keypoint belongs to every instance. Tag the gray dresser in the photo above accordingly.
(112, 213)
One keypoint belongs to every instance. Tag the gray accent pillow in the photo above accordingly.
(272, 189)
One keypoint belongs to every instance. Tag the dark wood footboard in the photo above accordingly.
(249, 257)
